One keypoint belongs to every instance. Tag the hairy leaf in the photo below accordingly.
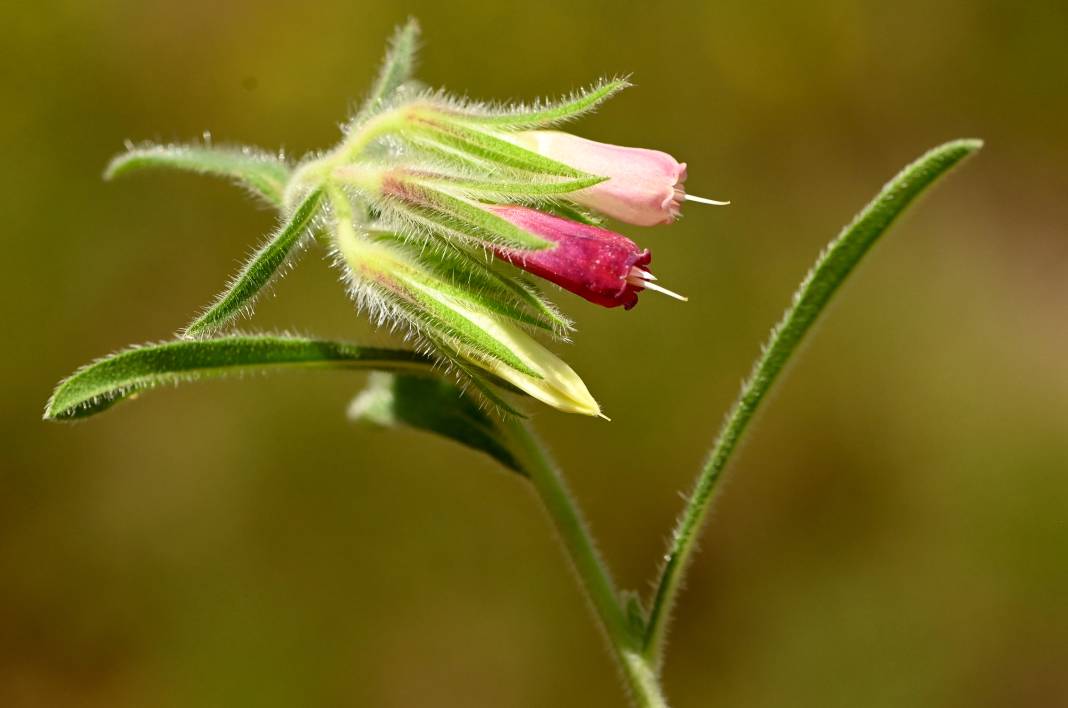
(105, 382)
(260, 172)
(832, 267)
(433, 405)
(257, 271)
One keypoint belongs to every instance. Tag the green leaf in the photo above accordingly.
(397, 66)
(484, 382)
(832, 268)
(257, 271)
(549, 113)
(263, 174)
(433, 405)
(105, 382)
(438, 128)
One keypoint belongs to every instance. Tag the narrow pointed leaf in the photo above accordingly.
(257, 272)
(262, 173)
(105, 382)
(397, 67)
(433, 405)
(550, 113)
(832, 268)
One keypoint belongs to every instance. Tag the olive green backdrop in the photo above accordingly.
(894, 532)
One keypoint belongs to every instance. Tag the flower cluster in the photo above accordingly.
(426, 191)
(437, 210)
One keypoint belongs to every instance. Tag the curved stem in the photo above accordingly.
(592, 572)
(816, 290)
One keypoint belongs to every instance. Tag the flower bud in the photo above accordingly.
(644, 186)
(599, 265)
(389, 279)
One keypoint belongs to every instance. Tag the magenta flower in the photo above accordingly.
(599, 265)
(645, 187)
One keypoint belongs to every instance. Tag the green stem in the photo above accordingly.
(592, 572)
(816, 290)
(318, 173)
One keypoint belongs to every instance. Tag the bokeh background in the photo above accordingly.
(894, 532)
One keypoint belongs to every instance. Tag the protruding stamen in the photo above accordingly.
(703, 200)
(669, 293)
(643, 279)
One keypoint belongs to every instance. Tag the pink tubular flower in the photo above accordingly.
(644, 186)
(599, 265)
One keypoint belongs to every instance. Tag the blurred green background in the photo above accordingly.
(894, 532)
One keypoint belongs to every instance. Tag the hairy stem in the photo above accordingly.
(816, 290)
(591, 570)
(319, 172)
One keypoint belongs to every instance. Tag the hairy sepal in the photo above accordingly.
(397, 67)
(451, 213)
(540, 114)
(460, 327)
(426, 123)
(483, 277)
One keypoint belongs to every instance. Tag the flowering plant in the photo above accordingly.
(436, 210)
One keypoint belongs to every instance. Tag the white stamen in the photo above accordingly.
(703, 200)
(659, 289)
(643, 279)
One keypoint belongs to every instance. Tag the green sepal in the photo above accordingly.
(439, 317)
(103, 383)
(449, 215)
(477, 274)
(263, 174)
(432, 126)
(488, 189)
(432, 305)
(545, 114)
(433, 405)
(485, 383)
(567, 210)
(397, 66)
(257, 271)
